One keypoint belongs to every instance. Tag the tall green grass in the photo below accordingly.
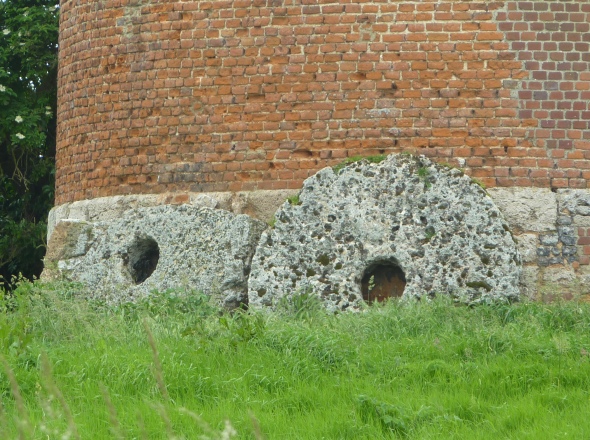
(174, 366)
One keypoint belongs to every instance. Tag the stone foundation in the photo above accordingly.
(551, 230)
(257, 204)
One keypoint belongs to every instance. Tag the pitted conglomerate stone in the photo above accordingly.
(438, 226)
(202, 249)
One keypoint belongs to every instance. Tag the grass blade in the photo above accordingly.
(23, 422)
(52, 388)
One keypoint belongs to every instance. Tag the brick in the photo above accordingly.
(274, 79)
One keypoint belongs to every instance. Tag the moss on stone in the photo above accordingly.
(349, 160)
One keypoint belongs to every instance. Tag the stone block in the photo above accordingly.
(559, 282)
(527, 247)
(529, 280)
(574, 201)
(57, 214)
(581, 221)
(527, 209)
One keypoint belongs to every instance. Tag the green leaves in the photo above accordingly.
(28, 38)
(28, 84)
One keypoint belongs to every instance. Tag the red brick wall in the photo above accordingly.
(260, 94)
(552, 40)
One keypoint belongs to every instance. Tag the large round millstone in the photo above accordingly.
(153, 249)
(402, 227)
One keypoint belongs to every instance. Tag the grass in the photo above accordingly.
(372, 159)
(176, 367)
(478, 183)
(294, 200)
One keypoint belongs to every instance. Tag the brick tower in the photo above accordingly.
(237, 102)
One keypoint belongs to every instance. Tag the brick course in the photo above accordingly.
(552, 41)
(260, 94)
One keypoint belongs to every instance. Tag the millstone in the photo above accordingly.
(402, 227)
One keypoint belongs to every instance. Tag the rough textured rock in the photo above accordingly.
(527, 209)
(527, 247)
(157, 248)
(574, 202)
(529, 280)
(433, 223)
(584, 281)
(260, 204)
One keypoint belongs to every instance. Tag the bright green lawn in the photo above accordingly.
(414, 370)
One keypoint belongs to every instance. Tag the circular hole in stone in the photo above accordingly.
(143, 256)
(382, 280)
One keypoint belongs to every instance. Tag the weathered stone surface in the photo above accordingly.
(258, 204)
(550, 239)
(574, 201)
(584, 280)
(559, 282)
(442, 230)
(70, 239)
(527, 209)
(581, 221)
(553, 277)
(158, 248)
(529, 282)
(101, 209)
(527, 247)
(575, 204)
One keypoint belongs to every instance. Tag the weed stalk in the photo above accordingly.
(158, 370)
(3, 421)
(256, 425)
(53, 389)
(113, 419)
(24, 424)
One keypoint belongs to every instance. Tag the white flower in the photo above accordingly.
(48, 113)
(20, 136)
(18, 119)
(2, 88)
(6, 31)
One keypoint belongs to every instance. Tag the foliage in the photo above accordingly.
(424, 175)
(301, 305)
(428, 369)
(372, 159)
(272, 222)
(294, 200)
(28, 72)
(478, 183)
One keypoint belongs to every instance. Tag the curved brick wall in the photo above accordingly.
(243, 95)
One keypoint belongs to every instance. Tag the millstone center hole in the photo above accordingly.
(143, 256)
(381, 281)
